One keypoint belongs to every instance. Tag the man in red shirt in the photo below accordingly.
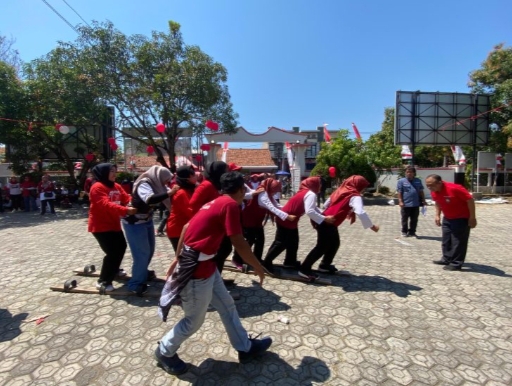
(195, 281)
(459, 217)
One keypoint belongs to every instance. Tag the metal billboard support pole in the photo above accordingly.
(475, 161)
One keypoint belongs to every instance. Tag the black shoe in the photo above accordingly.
(327, 269)
(268, 266)
(173, 365)
(293, 264)
(151, 275)
(141, 289)
(412, 235)
(440, 262)
(452, 267)
(258, 346)
(228, 282)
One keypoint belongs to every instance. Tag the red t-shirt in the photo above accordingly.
(28, 188)
(452, 199)
(107, 207)
(181, 213)
(212, 223)
(203, 194)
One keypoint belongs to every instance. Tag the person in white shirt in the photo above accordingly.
(15, 193)
(345, 202)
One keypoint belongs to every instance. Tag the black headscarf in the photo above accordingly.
(214, 171)
(101, 172)
(182, 175)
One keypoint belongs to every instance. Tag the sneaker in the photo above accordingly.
(258, 346)
(452, 267)
(294, 264)
(404, 234)
(327, 268)
(160, 234)
(173, 365)
(311, 276)
(121, 273)
(412, 235)
(108, 287)
(440, 262)
(237, 265)
(141, 289)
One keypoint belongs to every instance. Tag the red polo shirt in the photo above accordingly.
(452, 199)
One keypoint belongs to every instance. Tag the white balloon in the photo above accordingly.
(64, 129)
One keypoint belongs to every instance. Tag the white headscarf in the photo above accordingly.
(158, 178)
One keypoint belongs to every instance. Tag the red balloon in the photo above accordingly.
(212, 125)
(205, 147)
(89, 157)
(111, 140)
(114, 146)
(150, 149)
(332, 172)
(58, 125)
(160, 127)
(199, 157)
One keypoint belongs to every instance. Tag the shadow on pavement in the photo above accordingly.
(10, 324)
(268, 369)
(485, 269)
(376, 284)
(435, 238)
(257, 300)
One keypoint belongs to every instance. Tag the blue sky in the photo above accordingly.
(298, 62)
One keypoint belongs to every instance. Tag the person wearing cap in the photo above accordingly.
(149, 190)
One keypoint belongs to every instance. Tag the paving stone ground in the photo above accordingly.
(399, 320)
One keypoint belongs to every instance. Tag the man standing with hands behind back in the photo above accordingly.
(459, 216)
(410, 198)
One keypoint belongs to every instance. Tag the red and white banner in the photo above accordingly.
(289, 153)
(499, 158)
(356, 132)
(225, 152)
(327, 137)
(458, 155)
(406, 152)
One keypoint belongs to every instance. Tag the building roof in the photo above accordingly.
(248, 157)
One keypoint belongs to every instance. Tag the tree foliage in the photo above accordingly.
(381, 151)
(157, 79)
(495, 76)
(347, 156)
(8, 53)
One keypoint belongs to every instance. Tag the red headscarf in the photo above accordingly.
(352, 186)
(311, 183)
(271, 186)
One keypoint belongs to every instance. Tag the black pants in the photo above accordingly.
(327, 244)
(163, 222)
(16, 201)
(254, 236)
(455, 240)
(52, 206)
(222, 254)
(286, 239)
(114, 246)
(410, 213)
(174, 242)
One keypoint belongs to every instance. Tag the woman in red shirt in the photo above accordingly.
(181, 212)
(108, 204)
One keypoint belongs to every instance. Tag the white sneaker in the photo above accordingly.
(108, 288)
(121, 273)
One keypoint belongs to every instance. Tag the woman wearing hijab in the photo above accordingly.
(108, 204)
(181, 212)
(253, 215)
(149, 190)
(208, 191)
(287, 232)
(46, 190)
(345, 202)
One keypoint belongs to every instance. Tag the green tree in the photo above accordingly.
(8, 53)
(495, 76)
(347, 156)
(157, 79)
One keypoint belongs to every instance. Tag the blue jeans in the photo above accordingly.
(195, 298)
(30, 203)
(141, 239)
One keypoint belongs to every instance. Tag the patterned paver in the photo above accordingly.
(399, 320)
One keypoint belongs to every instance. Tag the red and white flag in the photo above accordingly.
(458, 155)
(499, 158)
(289, 153)
(327, 137)
(225, 152)
(406, 152)
(356, 132)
